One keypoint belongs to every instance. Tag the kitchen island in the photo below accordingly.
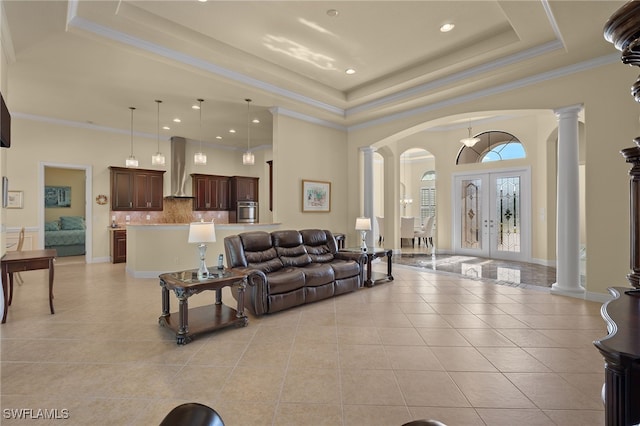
(154, 249)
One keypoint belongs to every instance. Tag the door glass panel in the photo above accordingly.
(508, 214)
(471, 214)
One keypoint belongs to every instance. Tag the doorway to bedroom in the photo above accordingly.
(64, 211)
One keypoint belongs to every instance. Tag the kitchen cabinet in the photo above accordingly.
(136, 189)
(119, 246)
(210, 192)
(243, 188)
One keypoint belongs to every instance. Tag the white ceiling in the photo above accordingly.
(89, 61)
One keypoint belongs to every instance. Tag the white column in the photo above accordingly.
(368, 189)
(568, 220)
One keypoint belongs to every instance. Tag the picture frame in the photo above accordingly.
(15, 199)
(316, 196)
(57, 196)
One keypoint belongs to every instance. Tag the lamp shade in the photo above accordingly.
(202, 232)
(363, 224)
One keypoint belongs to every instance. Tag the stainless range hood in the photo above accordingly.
(178, 168)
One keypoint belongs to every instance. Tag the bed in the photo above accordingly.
(66, 235)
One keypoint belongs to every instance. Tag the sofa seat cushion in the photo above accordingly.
(345, 268)
(317, 274)
(285, 280)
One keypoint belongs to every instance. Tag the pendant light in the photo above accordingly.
(248, 159)
(469, 141)
(131, 161)
(200, 158)
(157, 159)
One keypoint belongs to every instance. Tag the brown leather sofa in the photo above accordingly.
(290, 268)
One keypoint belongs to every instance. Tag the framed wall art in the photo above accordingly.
(15, 199)
(316, 196)
(57, 196)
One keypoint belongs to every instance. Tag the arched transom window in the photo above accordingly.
(493, 146)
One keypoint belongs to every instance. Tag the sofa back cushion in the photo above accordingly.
(259, 252)
(321, 245)
(290, 249)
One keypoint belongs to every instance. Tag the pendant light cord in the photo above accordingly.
(248, 125)
(200, 109)
(158, 102)
(132, 109)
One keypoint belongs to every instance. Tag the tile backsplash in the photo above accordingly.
(175, 211)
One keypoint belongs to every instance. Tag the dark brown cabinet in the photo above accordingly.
(211, 192)
(136, 189)
(119, 246)
(243, 188)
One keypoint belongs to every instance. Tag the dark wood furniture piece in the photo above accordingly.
(211, 192)
(621, 348)
(136, 189)
(119, 246)
(204, 318)
(374, 253)
(621, 352)
(19, 261)
(243, 188)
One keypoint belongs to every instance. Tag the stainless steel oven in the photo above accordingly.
(247, 212)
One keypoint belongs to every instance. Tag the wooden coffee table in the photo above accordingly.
(189, 322)
(374, 253)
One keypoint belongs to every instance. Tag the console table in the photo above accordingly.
(373, 253)
(27, 260)
(204, 318)
(621, 352)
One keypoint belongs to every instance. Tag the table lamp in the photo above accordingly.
(201, 233)
(363, 224)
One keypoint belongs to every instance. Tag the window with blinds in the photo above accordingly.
(428, 196)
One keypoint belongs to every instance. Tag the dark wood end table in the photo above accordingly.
(374, 253)
(204, 318)
(27, 260)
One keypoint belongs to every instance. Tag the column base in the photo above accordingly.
(564, 291)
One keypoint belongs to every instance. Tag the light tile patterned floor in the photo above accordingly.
(466, 352)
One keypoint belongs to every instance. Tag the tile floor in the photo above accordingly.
(427, 345)
(506, 272)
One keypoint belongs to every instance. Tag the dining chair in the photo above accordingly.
(407, 231)
(426, 232)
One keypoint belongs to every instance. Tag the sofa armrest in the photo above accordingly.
(360, 258)
(257, 289)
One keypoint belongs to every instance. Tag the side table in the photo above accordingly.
(374, 253)
(28, 260)
(204, 318)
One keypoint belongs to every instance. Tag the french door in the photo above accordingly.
(492, 214)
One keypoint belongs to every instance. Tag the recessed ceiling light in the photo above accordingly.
(445, 28)
(177, 120)
(332, 13)
(218, 137)
(202, 1)
(255, 121)
(232, 130)
(349, 71)
(166, 128)
(195, 106)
